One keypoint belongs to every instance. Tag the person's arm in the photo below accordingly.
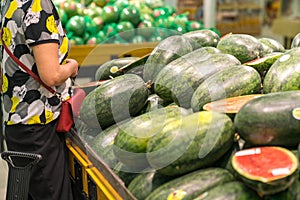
(49, 69)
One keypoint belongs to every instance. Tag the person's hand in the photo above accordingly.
(74, 66)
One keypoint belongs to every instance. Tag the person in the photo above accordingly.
(33, 32)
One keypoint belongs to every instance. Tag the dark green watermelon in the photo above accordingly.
(284, 74)
(166, 78)
(202, 38)
(166, 51)
(189, 80)
(193, 142)
(271, 45)
(296, 41)
(110, 68)
(271, 119)
(229, 82)
(233, 190)
(132, 138)
(114, 101)
(143, 184)
(243, 46)
(191, 185)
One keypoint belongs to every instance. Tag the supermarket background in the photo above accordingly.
(271, 18)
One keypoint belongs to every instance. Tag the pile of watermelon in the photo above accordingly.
(146, 118)
(122, 21)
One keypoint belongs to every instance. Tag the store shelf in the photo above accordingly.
(239, 17)
(91, 55)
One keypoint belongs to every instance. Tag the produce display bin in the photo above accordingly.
(91, 175)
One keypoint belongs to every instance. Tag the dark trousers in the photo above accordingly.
(50, 179)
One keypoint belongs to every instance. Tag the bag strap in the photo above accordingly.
(24, 67)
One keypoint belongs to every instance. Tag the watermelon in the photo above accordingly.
(202, 38)
(125, 176)
(243, 46)
(132, 137)
(263, 64)
(193, 142)
(103, 142)
(166, 78)
(114, 101)
(228, 82)
(143, 184)
(166, 51)
(284, 74)
(271, 45)
(271, 119)
(191, 78)
(111, 68)
(233, 190)
(296, 41)
(192, 74)
(191, 185)
(266, 169)
(291, 193)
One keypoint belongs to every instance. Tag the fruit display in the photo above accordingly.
(122, 21)
(220, 120)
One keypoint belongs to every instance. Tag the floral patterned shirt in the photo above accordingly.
(27, 23)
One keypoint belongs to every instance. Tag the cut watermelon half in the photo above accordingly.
(268, 169)
(230, 105)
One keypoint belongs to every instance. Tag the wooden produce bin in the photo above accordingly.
(92, 55)
(92, 176)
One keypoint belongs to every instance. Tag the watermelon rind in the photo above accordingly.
(263, 64)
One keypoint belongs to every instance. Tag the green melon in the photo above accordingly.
(166, 79)
(195, 141)
(284, 74)
(229, 82)
(296, 41)
(114, 101)
(111, 68)
(271, 45)
(191, 185)
(166, 51)
(233, 190)
(243, 46)
(203, 38)
(132, 138)
(271, 119)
